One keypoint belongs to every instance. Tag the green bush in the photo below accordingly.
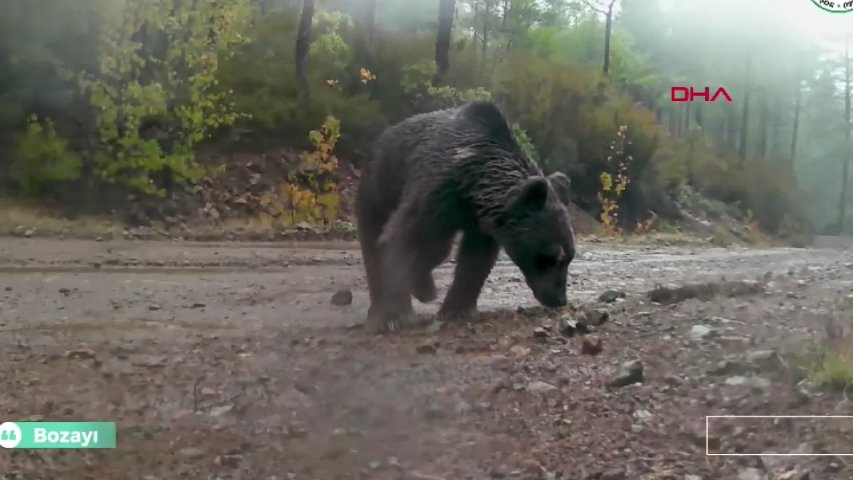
(41, 158)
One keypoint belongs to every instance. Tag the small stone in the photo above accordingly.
(154, 307)
(230, 461)
(295, 430)
(614, 474)
(342, 298)
(591, 345)
(374, 465)
(596, 317)
(65, 291)
(501, 471)
(540, 333)
(765, 359)
(149, 361)
(642, 414)
(462, 407)
(221, 410)
(752, 382)
(751, 474)
(191, 452)
(611, 296)
(540, 387)
(700, 332)
(519, 351)
(80, 354)
(30, 232)
(569, 327)
(426, 348)
(629, 372)
(727, 367)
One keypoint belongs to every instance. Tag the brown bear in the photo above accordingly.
(452, 171)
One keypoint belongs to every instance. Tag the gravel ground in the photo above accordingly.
(232, 361)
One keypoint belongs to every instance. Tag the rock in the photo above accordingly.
(154, 307)
(642, 414)
(540, 387)
(752, 382)
(462, 408)
(700, 332)
(611, 296)
(426, 348)
(221, 410)
(727, 367)
(191, 452)
(80, 354)
(519, 351)
(765, 359)
(295, 430)
(614, 474)
(342, 298)
(19, 231)
(30, 232)
(230, 461)
(501, 471)
(751, 474)
(591, 345)
(596, 317)
(149, 361)
(629, 372)
(65, 291)
(540, 333)
(569, 327)
(794, 475)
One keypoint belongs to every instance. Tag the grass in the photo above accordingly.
(836, 371)
(18, 217)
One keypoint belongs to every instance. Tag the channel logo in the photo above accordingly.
(10, 435)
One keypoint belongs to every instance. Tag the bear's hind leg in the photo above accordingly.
(474, 261)
(429, 256)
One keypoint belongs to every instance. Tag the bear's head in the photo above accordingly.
(535, 230)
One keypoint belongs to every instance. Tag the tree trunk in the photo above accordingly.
(764, 120)
(487, 4)
(303, 44)
(370, 23)
(845, 162)
(608, 28)
(796, 126)
(744, 125)
(446, 9)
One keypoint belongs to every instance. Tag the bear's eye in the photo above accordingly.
(544, 262)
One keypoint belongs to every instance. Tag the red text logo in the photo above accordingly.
(689, 94)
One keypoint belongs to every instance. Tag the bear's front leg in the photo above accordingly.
(393, 308)
(474, 261)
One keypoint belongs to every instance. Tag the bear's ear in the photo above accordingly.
(534, 193)
(563, 186)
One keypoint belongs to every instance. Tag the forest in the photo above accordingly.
(107, 100)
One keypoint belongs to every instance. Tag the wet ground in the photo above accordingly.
(230, 361)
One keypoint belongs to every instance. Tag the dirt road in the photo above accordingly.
(229, 361)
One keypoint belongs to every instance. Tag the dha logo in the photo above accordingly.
(10, 435)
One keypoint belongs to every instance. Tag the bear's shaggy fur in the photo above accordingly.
(436, 174)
